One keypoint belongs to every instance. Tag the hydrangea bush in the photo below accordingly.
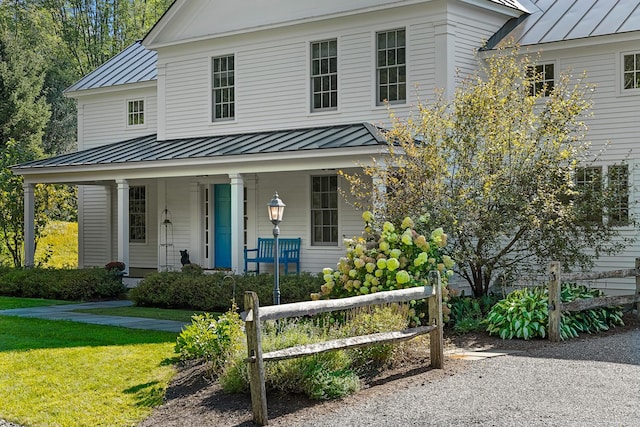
(395, 257)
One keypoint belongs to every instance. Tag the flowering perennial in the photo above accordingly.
(396, 258)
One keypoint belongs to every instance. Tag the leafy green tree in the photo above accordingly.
(494, 166)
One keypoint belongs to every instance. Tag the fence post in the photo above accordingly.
(436, 338)
(256, 364)
(637, 288)
(554, 301)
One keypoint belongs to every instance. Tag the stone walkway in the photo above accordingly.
(66, 312)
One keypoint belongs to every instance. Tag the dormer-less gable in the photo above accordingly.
(191, 20)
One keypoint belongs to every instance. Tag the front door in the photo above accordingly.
(222, 225)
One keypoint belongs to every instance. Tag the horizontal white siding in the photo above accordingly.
(613, 131)
(104, 117)
(272, 73)
(295, 191)
(94, 226)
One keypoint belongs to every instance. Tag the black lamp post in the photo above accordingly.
(276, 211)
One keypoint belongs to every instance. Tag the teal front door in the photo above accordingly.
(222, 225)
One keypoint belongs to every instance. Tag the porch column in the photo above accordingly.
(237, 223)
(123, 223)
(29, 225)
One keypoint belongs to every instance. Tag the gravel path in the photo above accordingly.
(583, 383)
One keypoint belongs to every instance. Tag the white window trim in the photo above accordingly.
(126, 113)
(339, 243)
(234, 119)
(374, 64)
(619, 75)
(555, 71)
(309, 98)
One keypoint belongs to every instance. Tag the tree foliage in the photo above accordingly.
(46, 45)
(495, 167)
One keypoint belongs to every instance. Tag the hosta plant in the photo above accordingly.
(524, 314)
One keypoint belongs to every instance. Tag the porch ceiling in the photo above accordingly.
(147, 152)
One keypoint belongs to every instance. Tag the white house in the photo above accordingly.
(223, 104)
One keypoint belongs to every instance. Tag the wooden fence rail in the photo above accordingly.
(556, 307)
(254, 315)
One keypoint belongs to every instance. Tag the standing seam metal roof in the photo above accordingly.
(135, 64)
(148, 148)
(561, 20)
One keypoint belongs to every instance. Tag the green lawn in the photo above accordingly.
(59, 373)
(7, 303)
(147, 312)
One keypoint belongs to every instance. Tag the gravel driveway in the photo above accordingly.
(583, 383)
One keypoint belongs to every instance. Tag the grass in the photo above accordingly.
(74, 374)
(7, 303)
(147, 312)
(58, 246)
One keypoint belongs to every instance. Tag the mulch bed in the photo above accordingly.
(194, 400)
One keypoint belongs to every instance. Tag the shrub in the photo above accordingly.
(214, 340)
(395, 257)
(64, 284)
(371, 320)
(215, 292)
(322, 376)
(467, 313)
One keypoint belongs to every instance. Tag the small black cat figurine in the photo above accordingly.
(184, 257)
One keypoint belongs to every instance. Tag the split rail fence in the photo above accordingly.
(254, 315)
(556, 307)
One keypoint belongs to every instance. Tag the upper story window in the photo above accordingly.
(542, 79)
(631, 71)
(324, 210)
(223, 88)
(324, 75)
(137, 214)
(135, 112)
(391, 66)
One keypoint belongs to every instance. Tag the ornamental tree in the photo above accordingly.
(495, 166)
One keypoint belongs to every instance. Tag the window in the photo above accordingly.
(631, 71)
(324, 210)
(137, 214)
(588, 185)
(391, 68)
(223, 88)
(135, 112)
(324, 75)
(618, 177)
(542, 79)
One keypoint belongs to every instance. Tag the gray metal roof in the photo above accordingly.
(133, 65)
(148, 148)
(560, 20)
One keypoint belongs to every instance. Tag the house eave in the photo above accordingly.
(339, 158)
(149, 43)
(110, 89)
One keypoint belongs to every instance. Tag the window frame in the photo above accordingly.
(334, 228)
(538, 84)
(143, 215)
(128, 113)
(333, 84)
(378, 68)
(230, 73)
(620, 215)
(623, 71)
